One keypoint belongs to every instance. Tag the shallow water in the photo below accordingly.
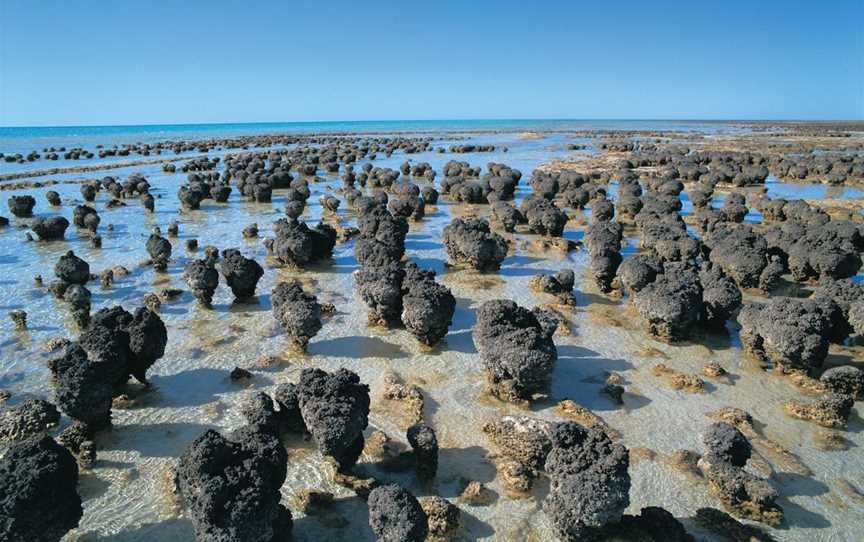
(126, 497)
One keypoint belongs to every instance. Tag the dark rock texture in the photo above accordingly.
(50, 229)
(470, 242)
(517, 351)
(298, 312)
(428, 306)
(241, 273)
(231, 487)
(396, 516)
(39, 499)
(590, 485)
(203, 279)
(423, 441)
(790, 333)
(335, 409)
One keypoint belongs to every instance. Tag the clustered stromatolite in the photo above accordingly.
(517, 351)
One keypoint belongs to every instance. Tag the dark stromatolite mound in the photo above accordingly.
(84, 387)
(543, 216)
(380, 286)
(377, 225)
(21, 206)
(335, 409)
(261, 414)
(396, 516)
(844, 380)
(53, 198)
(39, 499)
(147, 340)
(507, 215)
(741, 492)
(159, 250)
(71, 269)
(672, 303)
(202, 278)
(727, 444)
(590, 485)
(78, 297)
(653, 524)
(742, 253)
(844, 293)
(790, 333)
(720, 296)
(296, 244)
(30, 418)
(829, 250)
(517, 351)
(231, 487)
(298, 312)
(380, 279)
(88, 191)
(428, 306)
(423, 441)
(84, 216)
(470, 242)
(242, 274)
(604, 246)
(287, 398)
(668, 240)
(50, 229)
(638, 271)
(115, 345)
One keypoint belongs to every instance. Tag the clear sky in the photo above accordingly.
(67, 62)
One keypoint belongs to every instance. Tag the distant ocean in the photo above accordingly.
(26, 139)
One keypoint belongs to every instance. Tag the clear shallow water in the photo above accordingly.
(125, 495)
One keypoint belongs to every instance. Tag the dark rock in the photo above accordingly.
(590, 485)
(21, 206)
(423, 441)
(335, 408)
(470, 242)
(791, 333)
(844, 380)
(242, 274)
(159, 250)
(38, 484)
(517, 351)
(49, 229)
(231, 487)
(396, 516)
(72, 269)
(203, 279)
(298, 312)
(428, 306)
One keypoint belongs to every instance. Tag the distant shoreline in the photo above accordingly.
(526, 121)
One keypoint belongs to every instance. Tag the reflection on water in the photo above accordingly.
(126, 495)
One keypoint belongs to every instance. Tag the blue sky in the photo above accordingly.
(117, 62)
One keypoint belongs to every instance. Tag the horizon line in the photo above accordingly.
(503, 119)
